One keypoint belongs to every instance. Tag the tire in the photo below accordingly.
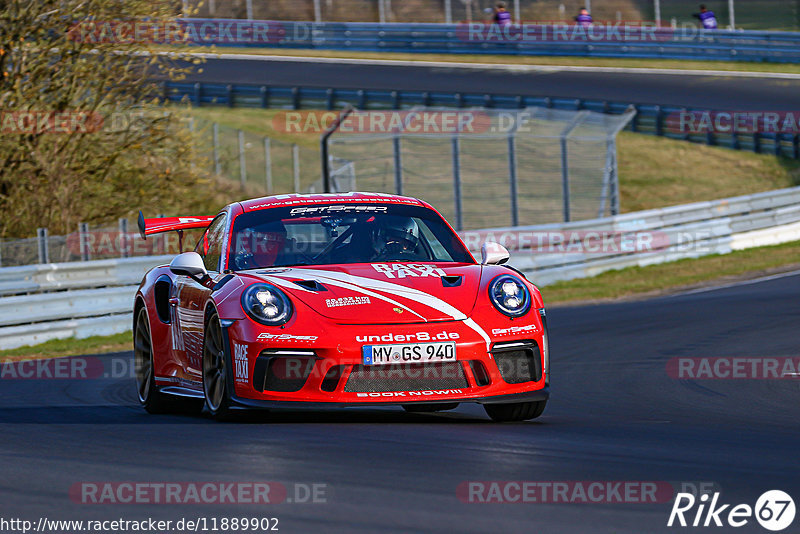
(517, 411)
(429, 408)
(215, 371)
(149, 396)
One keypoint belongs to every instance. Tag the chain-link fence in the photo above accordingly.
(260, 165)
(749, 14)
(485, 168)
(92, 242)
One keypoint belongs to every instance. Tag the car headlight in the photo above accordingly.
(267, 304)
(510, 296)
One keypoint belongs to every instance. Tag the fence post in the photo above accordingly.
(43, 245)
(317, 11)
(579, 117)
(217, 166)
(517, 15)
(268, 164)
(212, 7)
(398, 166)
(448, 12)
(1, 252)
(242, 162)
(123, 239)
(457, 184)
(565, 177)
(83, 235)
(381, 12)
(296, 167)
(249, 9)
(512, 180)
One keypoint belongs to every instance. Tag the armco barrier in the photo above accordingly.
(557, 39)
(649, 119)
(677, 232)
(92, 298)
(60, 300)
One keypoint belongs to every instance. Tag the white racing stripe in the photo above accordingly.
(274, 279)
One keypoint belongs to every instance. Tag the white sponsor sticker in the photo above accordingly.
(263, 336)
(426, 393)
(346, 301)
(240, 362)
(531, 328)
(408, 270)
(403, 338)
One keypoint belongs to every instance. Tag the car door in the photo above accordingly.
(191, 297)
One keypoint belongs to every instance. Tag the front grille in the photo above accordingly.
(407, 377)
(285, 373)
(518, 363)
(331, 379)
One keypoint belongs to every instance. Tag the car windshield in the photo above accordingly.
(342, 233)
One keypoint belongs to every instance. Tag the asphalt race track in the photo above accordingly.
(695, 91)
(615, 415)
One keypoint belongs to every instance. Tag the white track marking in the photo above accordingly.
(736, 284)
(508, 67)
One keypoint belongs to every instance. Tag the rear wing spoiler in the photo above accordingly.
(167, 224)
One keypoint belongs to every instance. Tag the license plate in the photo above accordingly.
(409, 353)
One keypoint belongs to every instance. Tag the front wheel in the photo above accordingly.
(516, 411)
(215, 371)
(149, 396)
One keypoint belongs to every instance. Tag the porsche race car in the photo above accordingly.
(354, 299)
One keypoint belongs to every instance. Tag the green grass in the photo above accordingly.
(734, 66)
(655, 172)
(70, 347)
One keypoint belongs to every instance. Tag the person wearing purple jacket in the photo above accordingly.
(501, 16)
(707, 18)
(584, 18)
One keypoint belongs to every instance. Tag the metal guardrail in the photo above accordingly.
(556, 39)
(652, 236)
(100, 295)
(650, 118)
(60, 300)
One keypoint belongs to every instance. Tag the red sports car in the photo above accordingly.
(353, 299)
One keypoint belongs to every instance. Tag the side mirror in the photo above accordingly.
(493, 254)
(189, 264)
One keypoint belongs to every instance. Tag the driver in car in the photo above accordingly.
(396, 238)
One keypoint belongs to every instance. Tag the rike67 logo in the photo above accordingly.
(774, 510)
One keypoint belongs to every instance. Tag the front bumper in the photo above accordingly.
(283, 369)
(529, 396)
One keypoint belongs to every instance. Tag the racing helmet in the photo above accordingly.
(396, 234)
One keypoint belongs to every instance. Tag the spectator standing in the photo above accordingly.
(501, 15)
(584, 18)
(707, 18)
